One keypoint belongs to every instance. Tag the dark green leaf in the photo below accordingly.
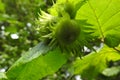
(112, 40)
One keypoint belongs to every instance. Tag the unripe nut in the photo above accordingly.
(67, 31)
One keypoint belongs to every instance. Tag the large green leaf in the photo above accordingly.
(104, 15)
(94, 63)
(33, 65)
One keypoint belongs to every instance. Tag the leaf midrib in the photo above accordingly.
(99, 25)
(98, 17)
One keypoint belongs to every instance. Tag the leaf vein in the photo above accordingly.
(108, 5)
(111, 17)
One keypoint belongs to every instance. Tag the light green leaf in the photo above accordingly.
(11, 29)
(94, 63)
(33, 65)
(2, 76)
(2, 6)
(104, 16)
(111, 71)
(71, 4)
(4, 17)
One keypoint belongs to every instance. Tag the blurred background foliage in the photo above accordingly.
(17, 32)
(18, 35)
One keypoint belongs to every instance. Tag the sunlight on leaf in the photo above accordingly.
(104, 16)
